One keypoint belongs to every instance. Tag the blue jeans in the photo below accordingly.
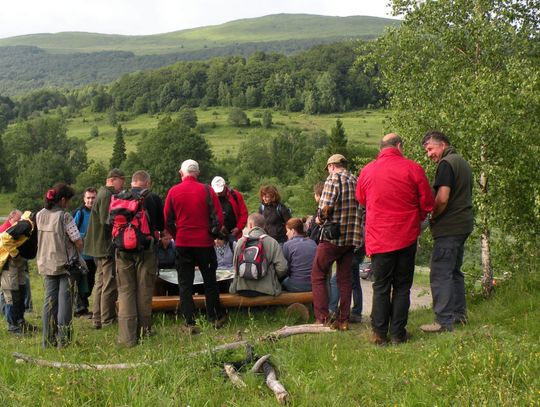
(447, 281)
(296, 287)
(358, 258)
(57, 310)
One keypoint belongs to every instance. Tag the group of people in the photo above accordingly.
(380, 214)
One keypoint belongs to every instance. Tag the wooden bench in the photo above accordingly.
(162, 303)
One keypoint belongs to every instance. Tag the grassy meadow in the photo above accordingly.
(492, 361)
(361, 126)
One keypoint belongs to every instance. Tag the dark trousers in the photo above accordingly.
(57, 310)
(326, 254)
(447, 281)
(393, 276)
(186, 260)
(85, 284)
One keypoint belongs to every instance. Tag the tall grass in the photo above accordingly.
(492, 361)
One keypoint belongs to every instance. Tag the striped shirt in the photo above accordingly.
(339, 192)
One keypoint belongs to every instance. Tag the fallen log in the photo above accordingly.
(297, 330)
(21, 358)
(273, 336)
(263, 365)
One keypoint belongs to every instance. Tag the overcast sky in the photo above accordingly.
(140, 17)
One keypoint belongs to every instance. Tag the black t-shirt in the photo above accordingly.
(229, 218)
(444, 176)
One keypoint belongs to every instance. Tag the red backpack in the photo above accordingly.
(252, 263)
(129, 220)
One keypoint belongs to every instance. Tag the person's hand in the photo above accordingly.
(234, 231)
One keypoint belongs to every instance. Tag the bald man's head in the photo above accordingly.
(391, 140)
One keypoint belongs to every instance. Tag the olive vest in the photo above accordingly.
(457, 218)
(54, 245)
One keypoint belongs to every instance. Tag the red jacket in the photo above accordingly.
(239, 209)
(5, 226)
(397, 197)
(187, 215)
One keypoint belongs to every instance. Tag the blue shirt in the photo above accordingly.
(82, 219)
(299, 252)
(224, 256)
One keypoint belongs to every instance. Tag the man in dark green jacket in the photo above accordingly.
(451, 223)
(98, 244)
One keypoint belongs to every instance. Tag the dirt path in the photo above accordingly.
(420, 296)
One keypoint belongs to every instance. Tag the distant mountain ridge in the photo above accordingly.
(277, 27)
(74, 59)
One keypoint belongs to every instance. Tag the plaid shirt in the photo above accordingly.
(339, 192)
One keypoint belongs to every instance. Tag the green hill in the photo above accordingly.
(73, 59)
(279, 27)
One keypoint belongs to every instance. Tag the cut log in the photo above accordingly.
(236, 380)
(298, 312)
(163, 303)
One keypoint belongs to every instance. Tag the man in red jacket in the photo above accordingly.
(234, 208)
(188, 209)
(397, 198)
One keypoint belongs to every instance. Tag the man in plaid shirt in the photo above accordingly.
(338, 206)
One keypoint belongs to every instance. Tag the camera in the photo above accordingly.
(75, 268)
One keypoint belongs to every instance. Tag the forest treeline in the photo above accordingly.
(27, 68)
(321, 80)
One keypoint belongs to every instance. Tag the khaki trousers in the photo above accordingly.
(136, 277)
(105, 292)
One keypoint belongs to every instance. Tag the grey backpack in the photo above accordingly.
(252, 263)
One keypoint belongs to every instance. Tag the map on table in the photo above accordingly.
(171, 275)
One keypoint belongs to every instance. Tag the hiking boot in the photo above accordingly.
(355, 319)
(82, 314)
(340, 326)
(378, 340)
(96, 325)
(190, 329)
(221, 321)
(15, 331)
(397, 340)
(109, 322)
(434, 328)
(146, 333)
